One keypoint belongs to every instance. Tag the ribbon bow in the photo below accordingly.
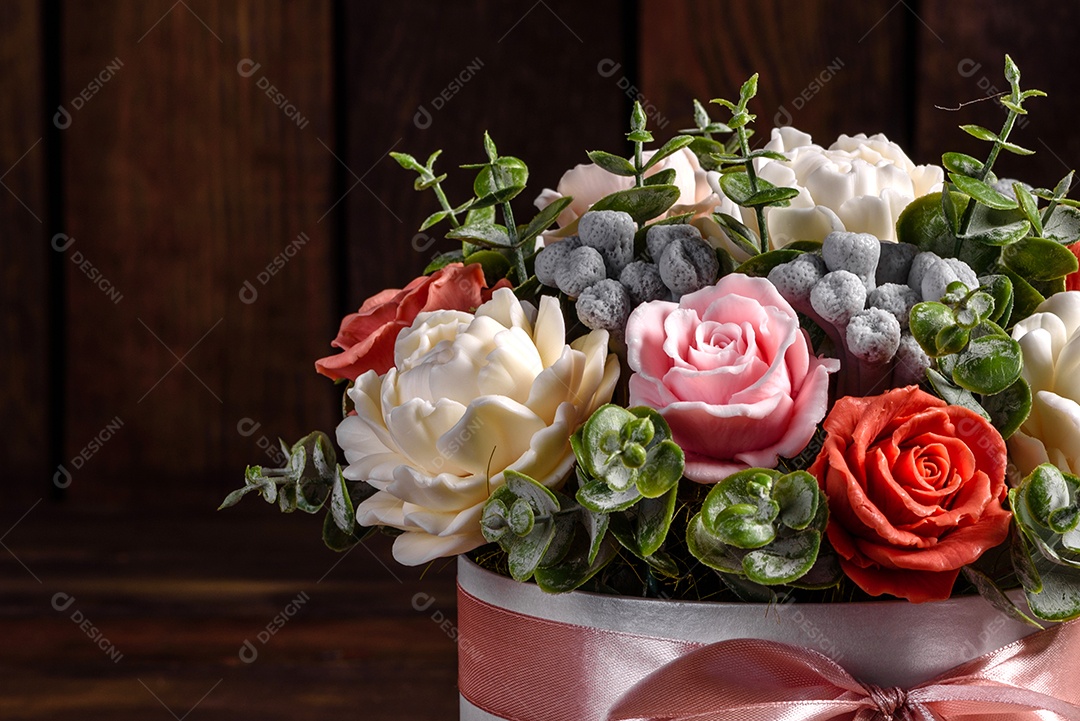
(755, 680)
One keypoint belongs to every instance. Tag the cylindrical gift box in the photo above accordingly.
(516, 661)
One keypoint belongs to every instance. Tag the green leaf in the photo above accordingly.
(962, 164)
(783, 561)
(993, 594)
(1059, 599)
(337, 539)
(486, 234)
(613, 163)
(739, 234)
(489, 147)
(953, 394)
(989, 364)
(982, 192)
(666, 176)
(1064, 225)
(952, 339)
(760, 265)
(980, 132)
(999, 235)
(999, 287)
(444, 259)
(653, 521)
(341, 507)
(1023, 565)
(710, 550)
(705, 149)
(543, 220)
(525, 553)
(1039, 259)
(1014, 148)
(642, 204)
(1025, 298)
(1029, 206)
(599, 497)
(434, 219)
(663, 469)
(777, 197)
(927, 321)
(637, 117)
(672, 146)
(597, 526)
(500, 181)
(1009, 409)
(748, 90)
(576, 568)
(495, 264)
(798, 495)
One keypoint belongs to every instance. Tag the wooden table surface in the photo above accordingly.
(110, 616)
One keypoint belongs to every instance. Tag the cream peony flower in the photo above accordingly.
(469, 396)
(860, 184)
(1050, 340)
(589, 183)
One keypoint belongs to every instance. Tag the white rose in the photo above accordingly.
(1050, 340)
(589, 183)
(469, 397)
(860, 184)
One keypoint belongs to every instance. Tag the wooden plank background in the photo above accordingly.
(182, 189)
(178, 248)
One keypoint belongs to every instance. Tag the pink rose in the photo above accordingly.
(733, 374)
(589, 183)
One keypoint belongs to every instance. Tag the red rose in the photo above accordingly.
(1072, 280)
(368, 336)
(915, 490)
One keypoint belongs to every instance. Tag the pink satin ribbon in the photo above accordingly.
(523, 668)
(753, 680)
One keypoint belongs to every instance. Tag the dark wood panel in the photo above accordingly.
(528, 73)
(175, 608)
(198, 164)
(967, 64)
(825, 68)
(24, 290)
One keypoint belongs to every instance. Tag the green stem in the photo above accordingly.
(519, 254)
(763, 230)
(446, 205)
(639, 175)
(969, 211)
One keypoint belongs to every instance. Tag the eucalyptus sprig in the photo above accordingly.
(766, 527)
(1046, 552)
(309, 480)
(501, 248)
(973, 220)
(740, 181)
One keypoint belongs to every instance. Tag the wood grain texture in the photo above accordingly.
(526, 72)
(176, 597)
(186, 178)
(24, 254)
(824, 68)
(963, 49)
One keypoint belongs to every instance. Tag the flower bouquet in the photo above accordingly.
(692, 425)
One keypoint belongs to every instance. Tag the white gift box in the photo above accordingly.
(886, 643)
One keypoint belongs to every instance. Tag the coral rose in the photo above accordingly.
(733, 374)
(915, 490)
(368, 336)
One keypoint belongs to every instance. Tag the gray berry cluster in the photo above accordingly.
(597, 267)
(861, 290)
